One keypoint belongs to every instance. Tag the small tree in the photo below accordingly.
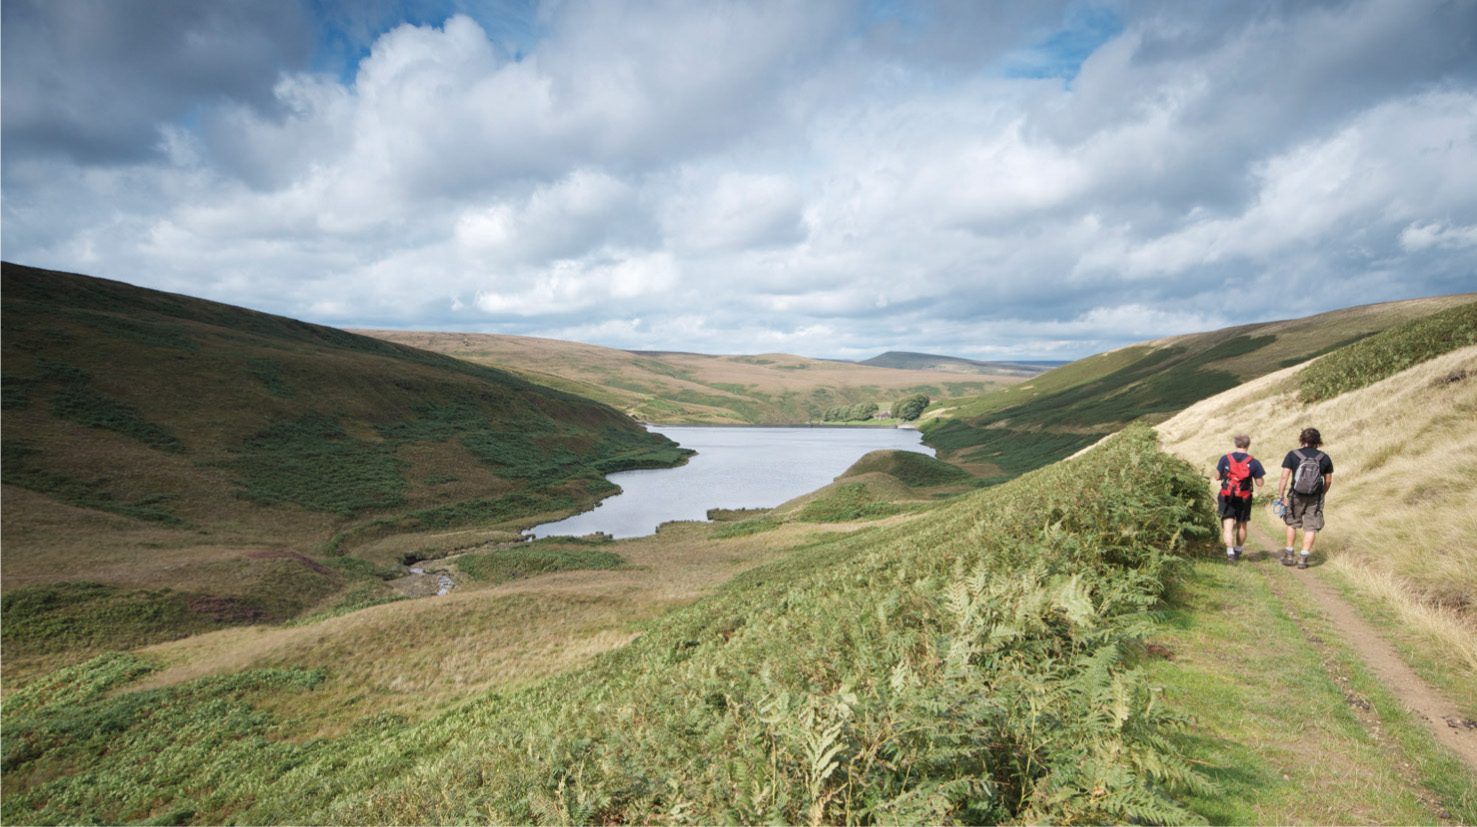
(910, 408)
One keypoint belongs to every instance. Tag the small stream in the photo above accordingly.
(443, 582)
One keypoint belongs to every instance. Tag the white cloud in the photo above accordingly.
(1435, 234)
(773, 175)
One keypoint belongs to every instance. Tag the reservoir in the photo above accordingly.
(735, 467)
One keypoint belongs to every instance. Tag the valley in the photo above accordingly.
(207, 513)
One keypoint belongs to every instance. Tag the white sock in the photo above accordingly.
(1230, 551)
(1238, 549)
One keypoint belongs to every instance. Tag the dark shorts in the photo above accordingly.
(1234, 508)
(1304, 512)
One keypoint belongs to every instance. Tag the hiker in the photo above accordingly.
(1237, 471)
(1311, 473)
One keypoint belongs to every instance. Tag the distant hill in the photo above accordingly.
(1008, 432)
(155, 440)
(903, 360)
(674, 387)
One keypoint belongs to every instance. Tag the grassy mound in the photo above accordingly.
(911, 468)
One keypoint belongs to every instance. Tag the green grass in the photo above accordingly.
(846, 502)
(912, 469)
(745, 528)
(539, 557)
(1386, 354)
(1249, 661)
(21, 465)
(81, 616)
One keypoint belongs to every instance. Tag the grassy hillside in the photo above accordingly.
(1400, 515)
(674, 388)
(173, 465)
(1011, 431)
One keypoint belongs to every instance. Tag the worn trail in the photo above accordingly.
(1452, 729)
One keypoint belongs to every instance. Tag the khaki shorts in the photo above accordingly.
(1304, 512)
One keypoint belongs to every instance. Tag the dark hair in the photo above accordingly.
(1242, 441)
(1310, 437)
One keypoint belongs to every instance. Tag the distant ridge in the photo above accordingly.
(678, 387)
(904, 360)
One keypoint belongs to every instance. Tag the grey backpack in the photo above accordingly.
(1308, 478)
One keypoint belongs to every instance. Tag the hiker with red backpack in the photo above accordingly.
(1237, 471)
(1311, 473)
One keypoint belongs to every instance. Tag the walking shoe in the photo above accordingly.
(1303, 561)
(1287, 557)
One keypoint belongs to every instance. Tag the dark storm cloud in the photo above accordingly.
(94, 81)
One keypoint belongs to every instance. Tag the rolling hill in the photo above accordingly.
(680, 388)
(1008, 432)
(904, 360)
(216, 465)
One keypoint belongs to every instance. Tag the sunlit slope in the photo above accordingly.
(1036, 422)
(970, 665)
(158, 441)
(1401, 514)
(671, 387)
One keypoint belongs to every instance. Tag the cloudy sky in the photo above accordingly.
(990, 180)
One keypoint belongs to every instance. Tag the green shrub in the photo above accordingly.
(1387, 353)
(312, 462)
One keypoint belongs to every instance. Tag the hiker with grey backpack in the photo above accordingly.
(1310, 472)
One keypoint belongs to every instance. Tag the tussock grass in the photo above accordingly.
(1400, 516)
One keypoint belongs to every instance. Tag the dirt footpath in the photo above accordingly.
(1451, 728)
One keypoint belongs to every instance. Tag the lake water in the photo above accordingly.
(734, 468)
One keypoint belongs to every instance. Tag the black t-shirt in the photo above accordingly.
(1325, 463)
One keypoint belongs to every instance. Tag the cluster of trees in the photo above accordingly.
(911, 407)
(907, 409)
(849, 413)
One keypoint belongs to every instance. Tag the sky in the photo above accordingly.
(834, 179)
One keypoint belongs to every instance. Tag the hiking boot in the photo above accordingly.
(1287, 557)
(1303, 561)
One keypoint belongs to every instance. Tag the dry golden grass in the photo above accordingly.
(1402, 515)
(415, 657)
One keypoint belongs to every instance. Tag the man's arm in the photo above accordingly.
(1282, 483)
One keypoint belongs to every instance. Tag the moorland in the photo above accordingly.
(208, 513)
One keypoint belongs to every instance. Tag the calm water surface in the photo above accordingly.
(734, 468)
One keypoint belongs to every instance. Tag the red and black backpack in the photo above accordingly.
(1237, 482)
